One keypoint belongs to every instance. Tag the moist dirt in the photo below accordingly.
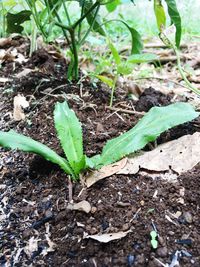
(36, 228)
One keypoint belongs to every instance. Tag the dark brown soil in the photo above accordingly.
(34, 193)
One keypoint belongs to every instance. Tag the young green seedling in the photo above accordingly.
(154, 241)
(69, 132)
(122, 67)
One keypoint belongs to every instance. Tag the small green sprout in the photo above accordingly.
(154, 241)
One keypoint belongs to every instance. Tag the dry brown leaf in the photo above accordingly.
(81, 206)
(20, 102)
(105, 238)
(31, 246)
(104, 172)
(179, 155)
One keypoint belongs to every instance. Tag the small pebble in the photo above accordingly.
(130, 260)
(140, 259)
(125, 227)
(171, 233)
(188, 217)
(162, 252)
(93, 210)
(161, 240)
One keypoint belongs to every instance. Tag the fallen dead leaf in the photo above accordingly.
(23, 73)
(20, 102)
(31, 246)
(180, 155)
(105, 238)
(4, 80)
(104, 172)
(81, 206)
(50, 243)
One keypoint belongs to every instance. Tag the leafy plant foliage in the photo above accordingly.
(69, 132)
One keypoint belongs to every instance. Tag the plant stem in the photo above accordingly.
(85, 14)
(113, 90)
(75, 54)
(90, 28)
(192, 88)
(170, 44)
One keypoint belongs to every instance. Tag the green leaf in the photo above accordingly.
(156, 121)
(105, 80)
(94, 21)
(111, 6)
(14, 140)
(125, 68)
(160, 14)
(175, 18)
(114, 52)
(14, 21)
(69, 133)
(141, 58)
(154, 242)
(137, 44)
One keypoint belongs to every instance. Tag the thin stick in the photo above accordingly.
(70, 187)
(125, 111)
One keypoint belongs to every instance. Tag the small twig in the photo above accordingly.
(125, 111)
(70, 189)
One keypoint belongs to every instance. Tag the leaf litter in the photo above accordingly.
(168, 161)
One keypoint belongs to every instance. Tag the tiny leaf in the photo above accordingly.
(112, 5)
(105, 80)
(142, 58)
(160, 14)
(114, 52)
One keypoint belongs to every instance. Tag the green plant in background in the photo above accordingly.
(122, 67)
(69, 132)
(71, 29)
(154, 242)
(165, 34)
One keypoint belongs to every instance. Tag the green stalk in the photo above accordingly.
(170, 44)
(66, 12)
(113, 89)
(182, 73)
(75, 54)
(90, 28)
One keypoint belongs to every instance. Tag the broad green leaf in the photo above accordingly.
(137, 44)
(141, 58)
(125, 68)
(105, 80)
(69, 133)
(156, 121)
(160, 14)
(14, 140)
(93, 19)
(114, 52)
(112, 5)
(14, 21)
(175, 18)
